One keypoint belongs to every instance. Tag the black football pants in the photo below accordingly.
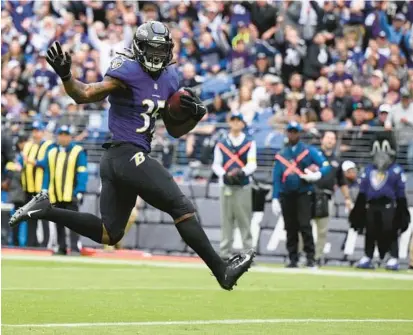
(297, 212)
(127, 172)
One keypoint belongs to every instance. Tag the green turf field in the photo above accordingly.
(45, 297)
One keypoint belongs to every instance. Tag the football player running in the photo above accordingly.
(138, 84)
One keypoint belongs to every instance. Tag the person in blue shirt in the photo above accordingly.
(296, 168)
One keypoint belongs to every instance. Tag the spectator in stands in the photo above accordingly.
(219, 108)
(289, 113)
(317, 58)
(327, 117)
(375, 91)
(77, 121)
(263, 16)
(296, 83)
(211, 56)
(189, 77)
(262, 67)
(328, 21)
(309, 102)
(293, 51)
(234, 175)
(239, 58)
(262, 94)
(39, 100)
(277, 98)
(401, 119)
(245, 105)
(382, 116)
(340, 73)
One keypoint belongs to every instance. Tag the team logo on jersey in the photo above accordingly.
(378, 179)
(116, 63)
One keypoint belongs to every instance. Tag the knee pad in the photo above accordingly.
(180, 207)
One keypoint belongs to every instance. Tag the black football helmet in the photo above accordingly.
(152, 46)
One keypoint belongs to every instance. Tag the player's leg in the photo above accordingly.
(304, 208)
(227, 221)
(116, 203)
(289, 212)
(322, 229)
(156, 186)
(243, 214)
(85, 224)
(370, 241)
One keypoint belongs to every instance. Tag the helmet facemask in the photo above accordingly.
(153, 49)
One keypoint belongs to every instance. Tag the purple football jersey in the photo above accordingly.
(133, 111)
(390, 184)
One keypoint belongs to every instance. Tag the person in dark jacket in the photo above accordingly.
(317, 57)
(293, 177)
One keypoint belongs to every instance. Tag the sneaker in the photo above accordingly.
(311, 264)
(60, 252)
(365, 263)
(236, 267)
(34, 209)
(392, 264)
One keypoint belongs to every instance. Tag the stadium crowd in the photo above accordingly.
(344, 63)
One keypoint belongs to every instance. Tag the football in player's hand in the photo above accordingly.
(174, 106)
(313, 168)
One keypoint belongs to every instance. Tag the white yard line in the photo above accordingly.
(202, 322)
(202, 288)
(174, 264)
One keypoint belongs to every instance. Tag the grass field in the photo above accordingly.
(53, 297)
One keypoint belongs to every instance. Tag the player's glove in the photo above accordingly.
(192, 105)
(60, 62)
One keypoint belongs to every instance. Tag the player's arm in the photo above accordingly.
(192, 106)
(78, 91)
(319, 159)
(177, 128)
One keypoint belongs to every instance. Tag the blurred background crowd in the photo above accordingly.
(323, 63)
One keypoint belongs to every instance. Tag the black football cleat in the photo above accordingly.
(236, 267)
(34, 209)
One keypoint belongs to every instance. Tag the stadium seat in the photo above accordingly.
(159, 236)
(269, 220)
(209, 211)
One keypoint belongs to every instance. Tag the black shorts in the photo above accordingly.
(127, 171)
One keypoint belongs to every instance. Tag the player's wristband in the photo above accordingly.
(66, 77)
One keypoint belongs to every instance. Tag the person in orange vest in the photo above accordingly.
(296, 168)
(235, 160)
